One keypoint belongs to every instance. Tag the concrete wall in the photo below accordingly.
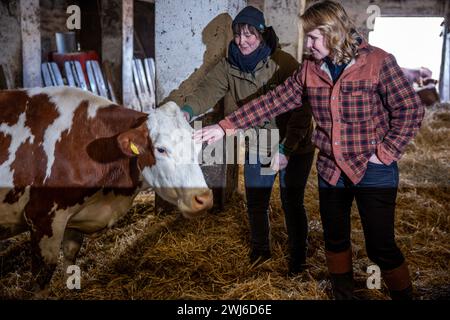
(259, 4)
(189, 41)
(53, 19)
(111, 22)
(10, 42)
(283, 15)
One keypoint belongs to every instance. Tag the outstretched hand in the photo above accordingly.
(187, 116)
(279, 161)
(209, 134)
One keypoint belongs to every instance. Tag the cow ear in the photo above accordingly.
(132, 143)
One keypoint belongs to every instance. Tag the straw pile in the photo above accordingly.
(148, 256)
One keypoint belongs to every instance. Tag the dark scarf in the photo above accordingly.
(335, 69)
(249, 62)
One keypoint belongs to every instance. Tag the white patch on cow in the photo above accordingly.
(50, 246)
(66, 100)
(102, 211)
(19, 134)
(177, 165)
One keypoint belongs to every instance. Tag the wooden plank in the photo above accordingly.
(137, 103)
(52, 76)
(3, 82)
(151, 66)
(31, 43)
(79, 74)
(127, 53)
(69, 74)
(150, 75)
(99, 79)
(144, 94)
(108, 79)
(48, 82)
(91, 77)
(56, 73)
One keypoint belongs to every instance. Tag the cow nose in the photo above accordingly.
(202, 201)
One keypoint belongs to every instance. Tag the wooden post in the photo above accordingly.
(31, 43)
(127, 52)
(444, 77)
(301, 34)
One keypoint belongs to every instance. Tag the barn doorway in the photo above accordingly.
(414, 41)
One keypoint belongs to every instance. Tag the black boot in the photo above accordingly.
(399, 282)
(341, 273)
(405, 294)
(297, 265)
(259, 255)
(343, 285)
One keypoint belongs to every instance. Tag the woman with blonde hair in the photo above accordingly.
(366, 112)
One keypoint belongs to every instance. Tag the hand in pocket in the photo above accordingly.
(374, 159)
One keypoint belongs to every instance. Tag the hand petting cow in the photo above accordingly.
(71, 163)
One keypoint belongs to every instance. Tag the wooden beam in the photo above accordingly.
(127, 52)
(301, 34)
(31, 43)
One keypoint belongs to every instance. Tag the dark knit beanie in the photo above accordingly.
(252, 16)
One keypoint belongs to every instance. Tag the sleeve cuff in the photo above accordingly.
(227, 127)
(188, 109)
(384, 155)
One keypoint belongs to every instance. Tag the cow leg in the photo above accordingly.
(73, 239)
(42, 265)
(45, 247)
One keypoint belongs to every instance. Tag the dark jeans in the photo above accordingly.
(375, 197)
(292, 188)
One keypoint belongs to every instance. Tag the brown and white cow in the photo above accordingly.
(72, 163)
(423, 84)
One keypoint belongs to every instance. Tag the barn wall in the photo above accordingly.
(259, 4)
(53, 19)
(283, 15)
(111, 24)
(189, 41)
(11, 56)
(401, 8)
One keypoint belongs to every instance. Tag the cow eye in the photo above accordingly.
(161, 150)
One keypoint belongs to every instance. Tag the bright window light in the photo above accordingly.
(415, 42)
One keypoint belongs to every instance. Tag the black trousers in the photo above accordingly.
(293, 181)
(375, 197)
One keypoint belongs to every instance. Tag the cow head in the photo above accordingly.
(175, 175)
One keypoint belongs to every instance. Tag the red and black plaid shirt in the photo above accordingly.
(370, 109)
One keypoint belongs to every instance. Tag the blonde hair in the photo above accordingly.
(337, 28)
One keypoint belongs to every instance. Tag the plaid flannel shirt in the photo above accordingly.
(371, 109)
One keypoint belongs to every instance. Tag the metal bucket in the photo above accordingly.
(65, 42)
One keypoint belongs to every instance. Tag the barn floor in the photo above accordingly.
(147, 256)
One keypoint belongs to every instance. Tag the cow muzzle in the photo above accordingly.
(199, 201)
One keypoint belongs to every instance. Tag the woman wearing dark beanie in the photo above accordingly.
(255, 65)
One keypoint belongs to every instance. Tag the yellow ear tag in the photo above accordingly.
(134, 148)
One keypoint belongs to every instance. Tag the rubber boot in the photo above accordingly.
(398, 282)
(341, 274)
